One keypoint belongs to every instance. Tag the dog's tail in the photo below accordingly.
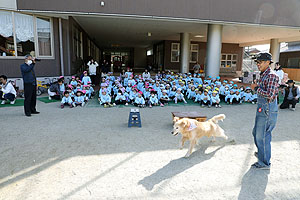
(217, 118)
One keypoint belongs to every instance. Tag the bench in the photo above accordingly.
(191, 115)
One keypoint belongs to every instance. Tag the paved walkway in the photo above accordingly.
(89, 153)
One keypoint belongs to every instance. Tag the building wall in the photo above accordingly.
(47, 67)
(293, 74)
(226, 48)
(8, 4)
(274, 12)
(140, 58)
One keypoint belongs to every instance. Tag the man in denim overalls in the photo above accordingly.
(267, 110)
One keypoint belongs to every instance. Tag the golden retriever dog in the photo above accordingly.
(193, 130)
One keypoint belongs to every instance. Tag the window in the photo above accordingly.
(194, 53)
(228, 60)
(97, 56)
(6, 34)
(89, 47)
(293, 62)
(44, 36)
(22, 34)
(150, 52)
(175, 52)
(77, 39)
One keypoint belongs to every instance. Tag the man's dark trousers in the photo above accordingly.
(287, 102)
(30, 98)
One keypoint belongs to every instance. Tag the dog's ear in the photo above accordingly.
(186, 123)
(175, 119)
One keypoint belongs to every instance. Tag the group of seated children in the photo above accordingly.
(76, 93)
(176, 87)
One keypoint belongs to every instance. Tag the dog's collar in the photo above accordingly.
(192, 126)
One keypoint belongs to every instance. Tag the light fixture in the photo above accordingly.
(149, 34)
(198, 36)
(102, 3)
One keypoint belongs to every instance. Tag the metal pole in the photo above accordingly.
(61, 48)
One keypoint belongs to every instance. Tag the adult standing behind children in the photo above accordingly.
(196, 68)
(29, 80)
(267, 110)
(146, 75)
(92, 64)
(279, 72)
(7, 91)
(105, 67)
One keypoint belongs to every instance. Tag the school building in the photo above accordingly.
(167, 35)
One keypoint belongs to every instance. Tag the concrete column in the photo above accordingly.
(275, 51)
(184, 52)
(213, 52)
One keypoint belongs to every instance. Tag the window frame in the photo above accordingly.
(289, 63)
(228, 60)
(89, 46)
(51, 37)
(36, 46)
(77, 33)
(175, 50)
(194, 51)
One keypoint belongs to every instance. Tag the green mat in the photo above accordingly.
(47, 100)
(19, 102)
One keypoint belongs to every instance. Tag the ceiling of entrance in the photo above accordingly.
(129, 32)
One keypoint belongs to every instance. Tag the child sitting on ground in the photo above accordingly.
(237, 99)
(215, 99)
(79, 99)
(66, 100)
(153, 101)
(198, 96)
(120, 99)
(205, 100)
(247, 95)
(172, 93)
(179, 96)
(139, 100)
(229, 97)
(132, 95)
(146, 93)
(105, 99)
(164, 99)
(86, 78)
(192, 93)
(73, 82)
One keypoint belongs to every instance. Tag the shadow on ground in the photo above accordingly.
(177, 166)
(254, 182)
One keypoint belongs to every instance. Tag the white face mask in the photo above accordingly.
(29, 62)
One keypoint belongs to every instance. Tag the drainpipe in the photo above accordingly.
(61, 48)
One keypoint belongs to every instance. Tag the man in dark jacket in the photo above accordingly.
(54, 90)
(29, 80)
(291, 96)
